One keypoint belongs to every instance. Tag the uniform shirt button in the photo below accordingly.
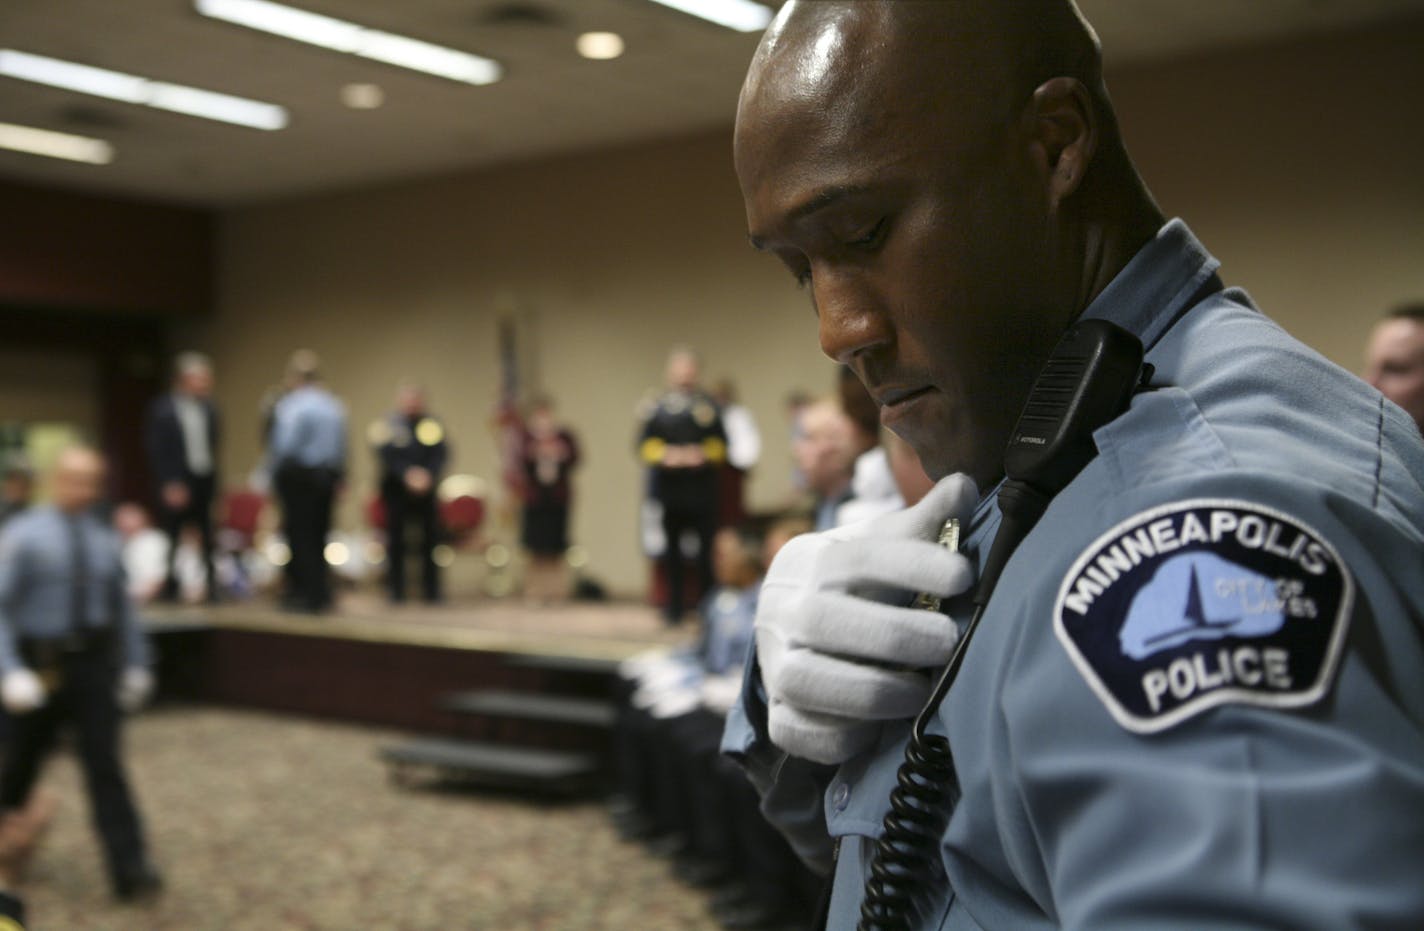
(841, 797)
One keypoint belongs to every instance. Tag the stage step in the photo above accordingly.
(519, 767)
(553, 662)
(583, 712)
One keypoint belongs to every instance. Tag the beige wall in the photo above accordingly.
(1297, 165)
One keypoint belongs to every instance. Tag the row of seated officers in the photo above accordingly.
(676, 791)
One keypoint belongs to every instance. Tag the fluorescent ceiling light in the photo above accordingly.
(741, 15)
(55, 145)
(363, 96)
(129, 88)
(600, 46)
(352, 39)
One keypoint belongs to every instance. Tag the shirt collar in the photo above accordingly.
(1158, 285)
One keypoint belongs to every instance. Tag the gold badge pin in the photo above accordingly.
(704, 414)
(428, 432)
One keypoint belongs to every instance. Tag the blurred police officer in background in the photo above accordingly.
(412, 450)
(683, 442)
(308, 460)
(72, 650)
(1394, 362)
(1194, 699)
(181, 435)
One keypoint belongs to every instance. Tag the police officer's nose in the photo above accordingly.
(849, 321)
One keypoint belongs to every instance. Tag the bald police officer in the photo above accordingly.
(72, 651)
(411, 447)
(308, 455)
(1194, 700)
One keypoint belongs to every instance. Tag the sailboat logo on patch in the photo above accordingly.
(1202, 603)
(1200, 596)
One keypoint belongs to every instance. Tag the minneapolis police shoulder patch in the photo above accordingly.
(1201, 603)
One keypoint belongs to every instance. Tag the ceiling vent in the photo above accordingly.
(83, 116)
(519, 14)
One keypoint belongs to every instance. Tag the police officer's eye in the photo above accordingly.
(870, 236)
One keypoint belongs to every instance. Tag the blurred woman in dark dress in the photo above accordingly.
(550, 454)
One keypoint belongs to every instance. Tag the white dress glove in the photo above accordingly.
(839, 652)
(21, 691)
(720, 693)
(135, 688)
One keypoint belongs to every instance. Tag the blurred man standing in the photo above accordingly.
(683, 442)
(182, 439)
(308, 457)
(72, 650)
(1394, 362)
(410, 445)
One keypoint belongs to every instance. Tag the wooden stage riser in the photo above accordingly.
(387, 684)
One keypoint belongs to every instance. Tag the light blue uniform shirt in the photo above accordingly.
(1238, 815)
(728, 617)
(309, 430)
(37, 585)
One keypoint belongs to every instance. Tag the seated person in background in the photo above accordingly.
(661, 685)
(1394, 360)
(824, 452)
(145, 551)
(872, 487)
(679, 793)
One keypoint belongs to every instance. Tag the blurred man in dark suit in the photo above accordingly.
(182, 438)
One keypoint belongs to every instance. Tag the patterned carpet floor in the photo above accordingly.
(279, 824)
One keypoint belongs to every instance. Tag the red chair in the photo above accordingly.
(462, 507)
(376, 512)
(461, 517)
(242, 514)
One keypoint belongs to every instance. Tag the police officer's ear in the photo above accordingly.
(1062, 125)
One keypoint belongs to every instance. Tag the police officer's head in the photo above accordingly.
(410, 399)
(1394, 361)
(684, 369)
(947, 181)
(303, 368)
(77, 481)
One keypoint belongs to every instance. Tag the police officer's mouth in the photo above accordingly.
(895, 402)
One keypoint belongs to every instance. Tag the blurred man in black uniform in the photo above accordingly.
(412, 451)
(181, 435)
(683, 442)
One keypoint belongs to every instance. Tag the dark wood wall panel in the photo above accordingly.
(68, 250)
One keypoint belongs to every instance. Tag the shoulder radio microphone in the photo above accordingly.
(1088, 381)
